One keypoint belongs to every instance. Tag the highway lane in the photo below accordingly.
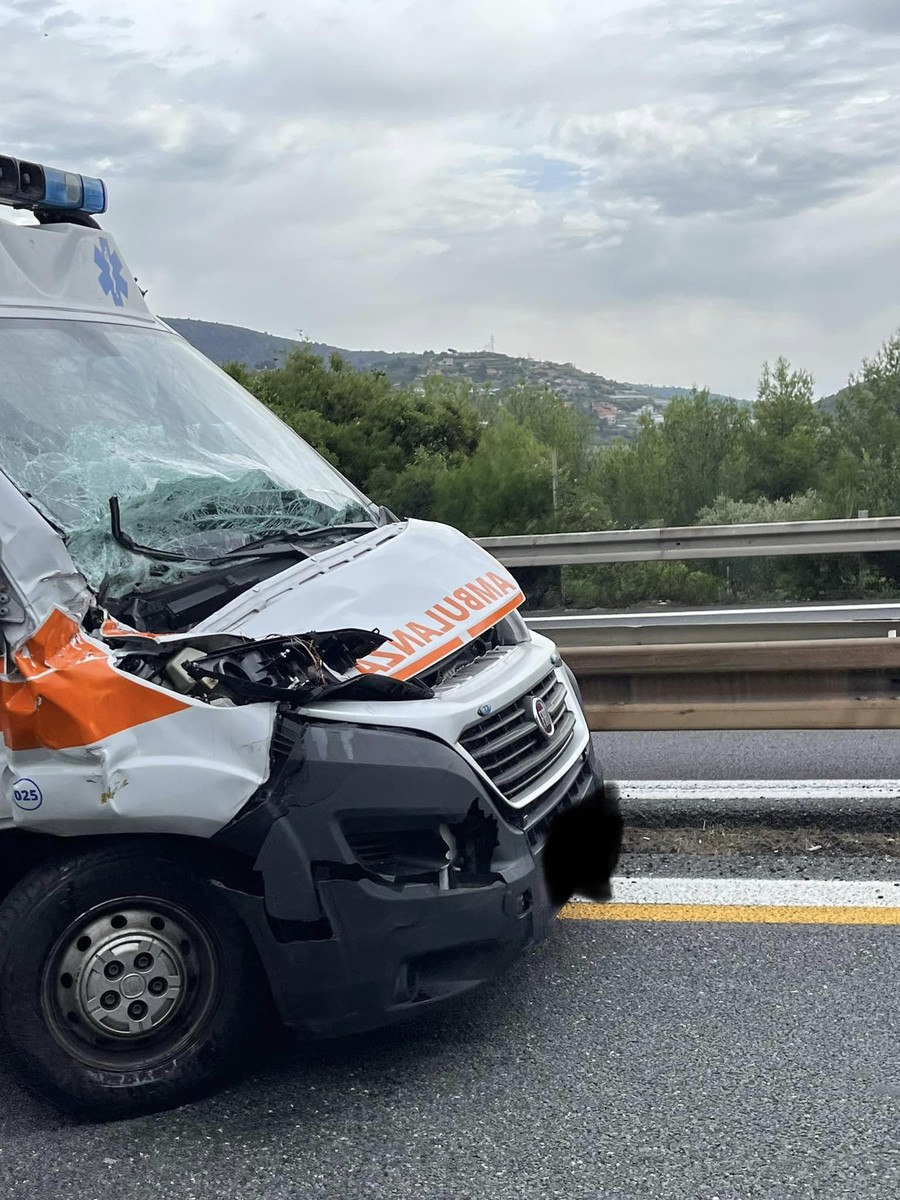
(622, 1059)
(751, 754)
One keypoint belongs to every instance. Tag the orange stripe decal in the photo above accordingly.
(71, 694)
(452, 611)
(501, 612)
(426, 661)
(115, 629)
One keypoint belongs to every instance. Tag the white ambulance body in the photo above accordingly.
(264, 745)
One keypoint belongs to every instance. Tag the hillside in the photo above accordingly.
(614, 407)
(829, 404)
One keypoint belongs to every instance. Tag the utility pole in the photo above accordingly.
(554, 467)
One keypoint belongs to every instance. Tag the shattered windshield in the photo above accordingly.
(200, 467)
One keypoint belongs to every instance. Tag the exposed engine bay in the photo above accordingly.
(296, 669)
(290, 670)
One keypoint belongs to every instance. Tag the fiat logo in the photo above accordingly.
(540, 714)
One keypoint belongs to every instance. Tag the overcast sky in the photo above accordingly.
(665, 193)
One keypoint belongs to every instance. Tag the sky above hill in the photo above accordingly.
(662, 192)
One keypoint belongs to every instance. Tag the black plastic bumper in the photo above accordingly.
(358, 917)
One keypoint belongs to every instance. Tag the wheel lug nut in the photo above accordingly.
(137, 1010)
(112, 970)
(143, 962)
(109, 999)
(157, 986)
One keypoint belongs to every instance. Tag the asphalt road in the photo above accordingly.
(618, 1061)
(754, 754)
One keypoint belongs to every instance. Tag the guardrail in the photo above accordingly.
(666, 625)
(819, 667)
(842, 683)
(854, 536)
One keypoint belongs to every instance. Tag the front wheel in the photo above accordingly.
(127, 983)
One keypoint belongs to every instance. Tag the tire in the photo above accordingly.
(127, 983)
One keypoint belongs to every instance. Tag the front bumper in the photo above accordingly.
(359, 918)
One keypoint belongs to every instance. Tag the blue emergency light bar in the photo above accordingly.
(29, 185)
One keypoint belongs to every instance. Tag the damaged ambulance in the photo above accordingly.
(268, 751)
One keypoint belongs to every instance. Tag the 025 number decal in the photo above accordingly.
(27, 795)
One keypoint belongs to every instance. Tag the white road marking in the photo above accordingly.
(772, 790)
(768, 893)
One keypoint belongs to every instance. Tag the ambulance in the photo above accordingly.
(269, 752)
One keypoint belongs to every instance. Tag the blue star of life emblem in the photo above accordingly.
(111, 279)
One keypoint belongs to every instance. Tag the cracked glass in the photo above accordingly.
(91, 410)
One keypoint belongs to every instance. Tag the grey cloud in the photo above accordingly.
(113, 122)
(870, 16)
(378, 168)
(766, 23)
(722, 66)
(63, 20)
(646, 259)
(809, 54)
(433, 63)
(750, 179)
(34, 6)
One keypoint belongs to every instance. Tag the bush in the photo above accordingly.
(624, 585)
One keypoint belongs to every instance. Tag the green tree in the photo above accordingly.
(562, 428)
(239, 372)
(787, 445)
(505, 487)
(702, 441)
(868, 429)
(390, 441)
(633, 479)
(409, 493)
(549, 418)
(673, 469)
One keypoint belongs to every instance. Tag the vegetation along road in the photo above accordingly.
(482, 458)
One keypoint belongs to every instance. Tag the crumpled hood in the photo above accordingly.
(425, 586)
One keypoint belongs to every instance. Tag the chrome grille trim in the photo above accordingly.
(510, 748)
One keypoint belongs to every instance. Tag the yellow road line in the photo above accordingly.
(745, 914)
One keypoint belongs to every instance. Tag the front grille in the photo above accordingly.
(510, 747)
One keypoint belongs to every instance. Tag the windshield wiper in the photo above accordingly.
(275, 545)
(124, 539)
(285, 543)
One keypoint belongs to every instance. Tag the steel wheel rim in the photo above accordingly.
(129, 983)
